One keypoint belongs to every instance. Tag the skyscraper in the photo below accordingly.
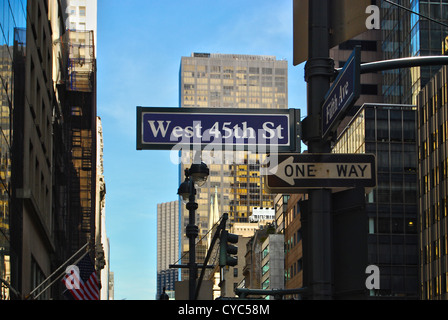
(48, 170)
(389, 132)
(406, 34)
(231, 81)
(433, 191)
(167, 246)
(12, 23)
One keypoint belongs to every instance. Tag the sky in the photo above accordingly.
(140, 45)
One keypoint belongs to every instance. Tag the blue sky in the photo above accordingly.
(140, 44)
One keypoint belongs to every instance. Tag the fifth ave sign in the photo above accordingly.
(342, 95)
(296, 173)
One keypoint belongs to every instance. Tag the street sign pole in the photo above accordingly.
(319, 70)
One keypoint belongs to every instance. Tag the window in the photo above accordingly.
(265, 268)
(383, 157)
(265, 284)
(383, 225)
(82, 11)
(371, 225)
(382, 125)
(265, 252)
(254, 70)
(266, 70)
(395, 125)
(37, 276)
(396, 157)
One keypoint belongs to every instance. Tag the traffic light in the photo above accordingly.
(226, 249)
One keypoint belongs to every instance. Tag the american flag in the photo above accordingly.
(83, 285)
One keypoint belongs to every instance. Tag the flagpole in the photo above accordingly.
(57, 270)
(75, 263)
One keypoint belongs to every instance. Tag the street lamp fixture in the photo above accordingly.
(184, 191)
(199, 172)
(196, 175)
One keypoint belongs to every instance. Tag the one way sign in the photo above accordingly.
(297, 173)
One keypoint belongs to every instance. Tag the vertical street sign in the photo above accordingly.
(342, 94)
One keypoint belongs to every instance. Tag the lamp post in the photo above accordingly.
(195, 177)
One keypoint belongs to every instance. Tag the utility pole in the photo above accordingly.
(319, 70)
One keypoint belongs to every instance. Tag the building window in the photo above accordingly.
(266, 70)
(37, 276)
(265, 284)
(265, 268)
(82, 11)
(299, 265)
(265, 252)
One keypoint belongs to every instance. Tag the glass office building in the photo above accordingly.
(389, 132)
(433, 187)
(405, 35)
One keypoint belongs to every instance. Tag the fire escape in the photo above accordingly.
(80, 116)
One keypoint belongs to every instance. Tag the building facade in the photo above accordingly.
(252, 270)
(280, 207)
(293, 243)
(82, 16)
(32, 220)
(45, 218)
(433, 188)
(167, 246)
(389, 132)
(101, 240)
(273, 262)
(230, 81)
(406, 35)
(12, 22)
